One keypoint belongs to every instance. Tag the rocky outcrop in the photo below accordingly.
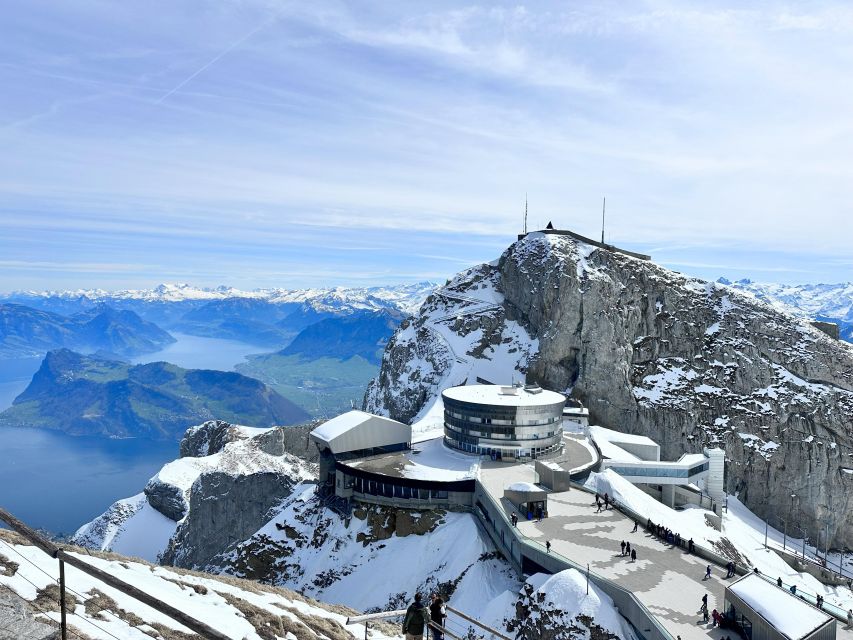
(209, 438)
(649, 351)
(167, 498)
(224, 509)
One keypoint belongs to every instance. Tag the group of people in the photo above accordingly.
(605, 503)
(665, 533)
(418, 616)
(628, 551)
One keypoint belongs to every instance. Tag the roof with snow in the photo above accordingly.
(357, 431)
(523, 487)
(504, 395)
(782, 610)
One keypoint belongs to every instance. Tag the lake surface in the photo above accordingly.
(59, 482)
(193, 352)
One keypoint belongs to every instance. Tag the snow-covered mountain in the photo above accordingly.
(650, 351)
(217, 509)
(828, 302)
(404, 297)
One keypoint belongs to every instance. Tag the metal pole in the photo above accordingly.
(785, 535)
(587, 578)
(765, 534)
(62, 623)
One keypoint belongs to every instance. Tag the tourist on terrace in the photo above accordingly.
(633, 555)
(438, 615)
(622, 545)
(707, 573)
(850, 618)
(548, 546)
(627, 548)
(416, 619)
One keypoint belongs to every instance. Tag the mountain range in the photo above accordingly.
(27, 332)
(827, 302)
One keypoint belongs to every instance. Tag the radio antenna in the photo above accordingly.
(603, 207)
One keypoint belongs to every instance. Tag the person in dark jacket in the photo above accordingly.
(437, 614)
(416, 619)
(633, 555)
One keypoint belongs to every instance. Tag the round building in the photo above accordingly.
(505, 422)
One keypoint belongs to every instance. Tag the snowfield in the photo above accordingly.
(243, 611)
(742, 528)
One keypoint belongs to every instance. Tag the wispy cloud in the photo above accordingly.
(342, 138)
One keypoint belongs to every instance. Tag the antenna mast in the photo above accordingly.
(603, 206)
(525, 213)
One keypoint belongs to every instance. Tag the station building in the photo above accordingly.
(760, 610)
(504, 422)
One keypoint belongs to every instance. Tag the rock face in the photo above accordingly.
(223, 509)
(649, 351)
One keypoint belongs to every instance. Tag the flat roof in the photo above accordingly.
(427, 460)
(495, 394)
(611, 435)
(784, 611)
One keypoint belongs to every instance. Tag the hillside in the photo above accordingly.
(87, 395)
(362, 334)
(26, 332)
(687, 362)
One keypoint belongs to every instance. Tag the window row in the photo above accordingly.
(390, 490)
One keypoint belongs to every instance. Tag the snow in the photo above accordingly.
(494, 394)
(742, 528)
(780, 608)
(207, 603)
(429, 460)
(610, 435)
(524, 487)
(339, 425)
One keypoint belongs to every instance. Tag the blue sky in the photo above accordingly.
(260, 143)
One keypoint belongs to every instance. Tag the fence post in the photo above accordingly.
(63, 624)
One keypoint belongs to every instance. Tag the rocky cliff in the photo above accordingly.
(650, 351)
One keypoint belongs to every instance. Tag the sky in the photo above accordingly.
(261, 143)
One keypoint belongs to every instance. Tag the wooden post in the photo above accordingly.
(63, 624)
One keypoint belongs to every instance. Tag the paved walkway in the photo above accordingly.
(668, 581)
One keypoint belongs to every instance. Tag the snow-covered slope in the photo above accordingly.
(241, 610)
(830, 302)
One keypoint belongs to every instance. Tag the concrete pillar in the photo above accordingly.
(716, 473)
(668, 495)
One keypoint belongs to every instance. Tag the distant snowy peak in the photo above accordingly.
(405, 297)
(829, 302)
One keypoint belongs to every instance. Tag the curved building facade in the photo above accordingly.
(506, 423)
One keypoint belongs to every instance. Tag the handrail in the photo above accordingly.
(366, 617)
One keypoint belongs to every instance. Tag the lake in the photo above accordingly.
(59, 482)
(193, 352)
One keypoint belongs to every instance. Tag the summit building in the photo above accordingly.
(504, 422)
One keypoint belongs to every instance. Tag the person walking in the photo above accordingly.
(850, 618)
(622, 544)
(715, 617)
(779, 582)
(634, 530)
(819, 601)
(598, 504)
(690, 545)
(437, 614)
(627, 548)
(416, 619)
(633, 555)
(704, 606)
(548, 546)
(606, 501)
(707, 573)
(793, 589)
